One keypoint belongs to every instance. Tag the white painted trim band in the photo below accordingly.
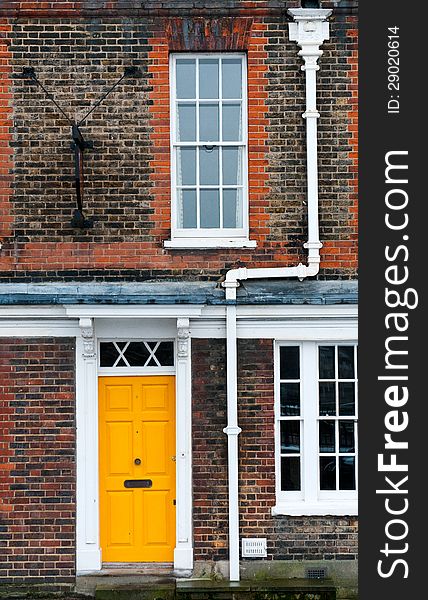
(342, 508)
(208, 244)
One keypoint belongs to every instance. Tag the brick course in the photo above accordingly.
(289, 538)
(128, 170)
(37, 461)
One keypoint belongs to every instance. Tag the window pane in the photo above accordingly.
(347, 473)
(232, 168)
(210, 208)
(290, 474)
(232, 77)
(186, 167)
(328, 473)
(290, 399)
(165, 354)
(327, 436)
(208, 78)
(290, 437)
(327, 391)
(346, 362)
(346, 398)
(346, 436)
(209, 166)
(289, 362)
(186, 129)
(108, 354)
(327, 398)
(186, 78)
(137, 354)
(232, 125)
(326, 362)
(208, 122)
(187, 215)
(232, 208)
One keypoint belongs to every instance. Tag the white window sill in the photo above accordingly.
(206, 243)
(336, 508)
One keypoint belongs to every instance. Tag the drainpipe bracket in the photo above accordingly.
(301, 271)
(311, 114)
(312, 245)
(230, 284)
(232, 430)
(231, 287)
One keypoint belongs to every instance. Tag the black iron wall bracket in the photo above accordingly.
(79, 144)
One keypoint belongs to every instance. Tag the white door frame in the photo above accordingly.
(88, 551)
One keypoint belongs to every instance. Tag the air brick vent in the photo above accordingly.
(316, 573)
(254, 548)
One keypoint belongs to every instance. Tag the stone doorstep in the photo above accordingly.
(137, 568)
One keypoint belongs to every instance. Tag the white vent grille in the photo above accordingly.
(254, 548)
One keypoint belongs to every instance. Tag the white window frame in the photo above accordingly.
(310, 500)
(208, 238)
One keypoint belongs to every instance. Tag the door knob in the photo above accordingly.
(137, 461)
(173, 458)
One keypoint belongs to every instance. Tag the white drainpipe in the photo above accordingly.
(309, 29)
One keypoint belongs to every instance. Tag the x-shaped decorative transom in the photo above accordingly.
(152, 354)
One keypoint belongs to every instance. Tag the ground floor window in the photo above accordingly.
(316, 428)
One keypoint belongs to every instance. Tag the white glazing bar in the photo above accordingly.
(220, 104)
(173, 141)
(198, 178)
(211, 143)
(214, 187)
(311, 434)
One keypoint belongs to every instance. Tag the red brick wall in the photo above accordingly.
(289, 538)
(128, 184)
(338, 152)
(37, 461)
(257, 440)
(209, 449)
(6, 125)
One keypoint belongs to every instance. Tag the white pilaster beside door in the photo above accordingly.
(87, 518)
(183, 554)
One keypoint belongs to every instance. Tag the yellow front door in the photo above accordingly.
(137, 468)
